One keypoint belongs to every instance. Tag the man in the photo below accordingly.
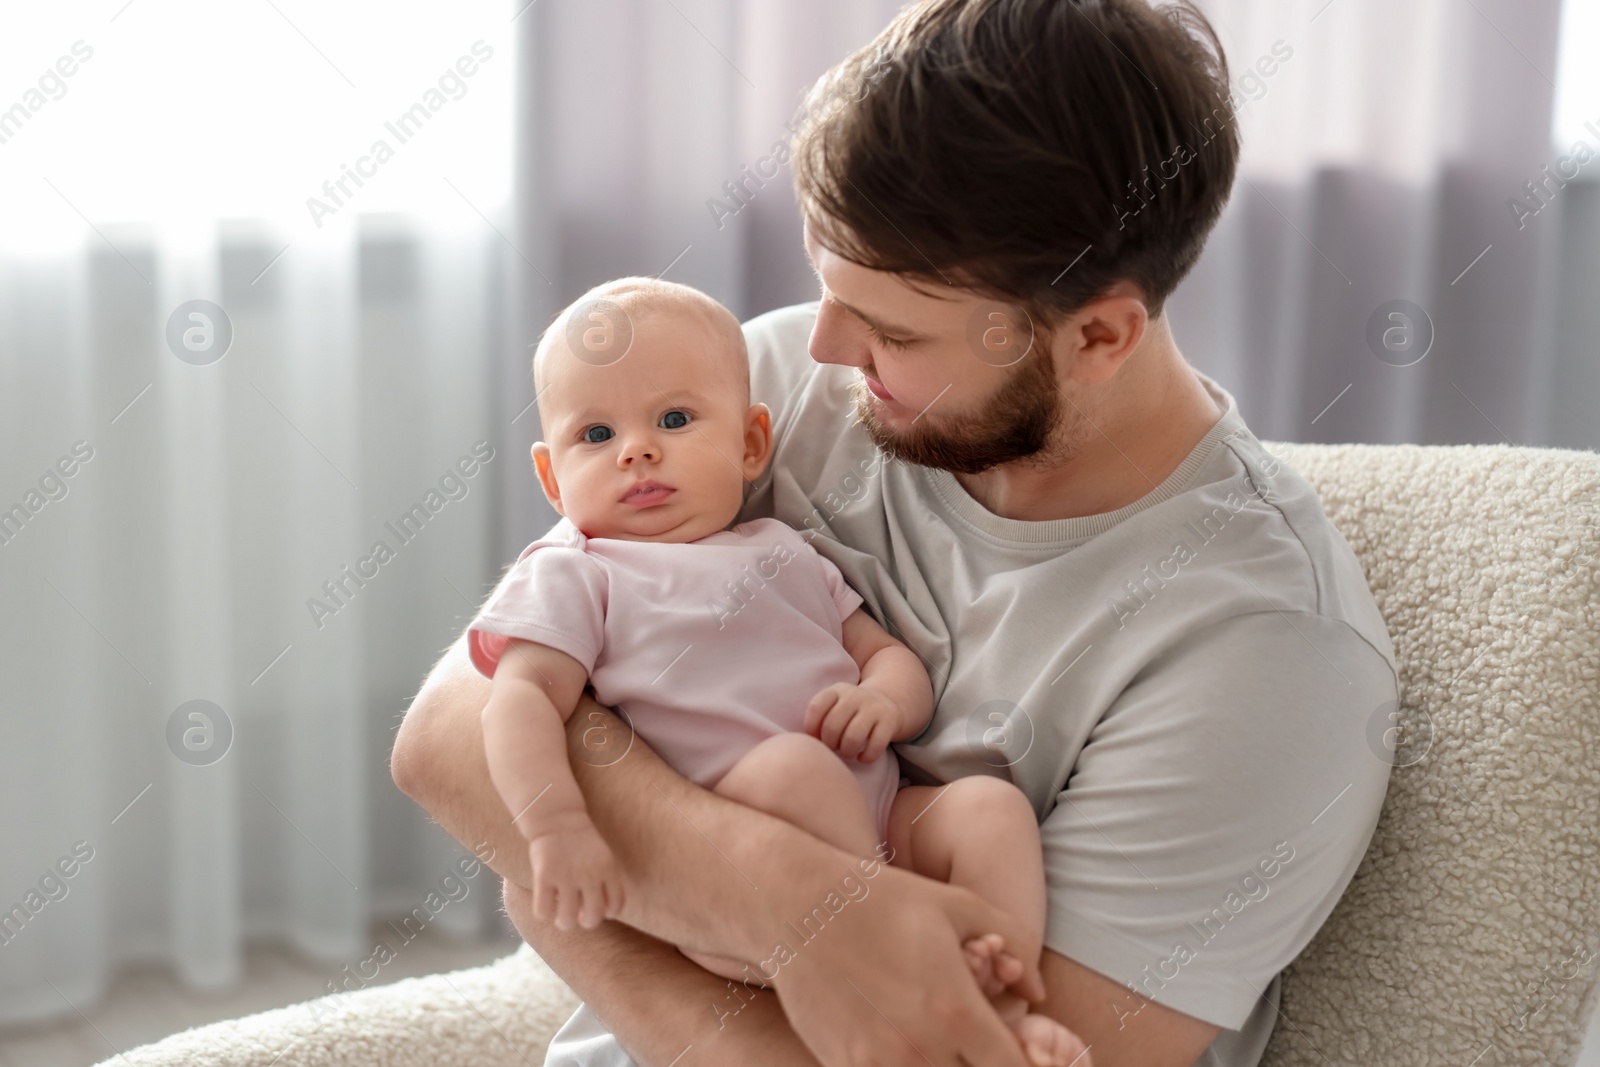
(1128, 606)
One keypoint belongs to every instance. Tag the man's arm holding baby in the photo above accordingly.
(439, 760)
(707, 873)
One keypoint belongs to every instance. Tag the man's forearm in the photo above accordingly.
(700, 871)
(703, 872)
(656, 1002)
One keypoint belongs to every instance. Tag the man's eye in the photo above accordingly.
(596, 435)
(674, 420)
(884, 339)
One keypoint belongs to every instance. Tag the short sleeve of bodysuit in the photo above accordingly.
(555, 595)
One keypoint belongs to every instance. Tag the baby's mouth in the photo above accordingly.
(647, 494)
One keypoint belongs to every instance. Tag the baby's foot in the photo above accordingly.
(1044, 1041)
(993, 967)
(1047, 1043)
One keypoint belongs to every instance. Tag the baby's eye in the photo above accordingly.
(596, 435)
(674, 420)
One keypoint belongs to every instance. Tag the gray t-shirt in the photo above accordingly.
(1182, 687)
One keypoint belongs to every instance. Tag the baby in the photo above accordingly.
(739, 655)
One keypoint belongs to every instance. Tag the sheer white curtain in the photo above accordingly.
(216, 404)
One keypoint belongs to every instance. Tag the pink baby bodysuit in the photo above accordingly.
(708, 647)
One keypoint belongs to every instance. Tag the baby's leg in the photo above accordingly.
(802, 781)
(980, 833)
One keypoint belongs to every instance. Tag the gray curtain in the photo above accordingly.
(1379, 165)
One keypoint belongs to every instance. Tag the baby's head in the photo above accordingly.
(649, 433)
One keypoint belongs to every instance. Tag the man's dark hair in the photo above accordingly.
(990, 144)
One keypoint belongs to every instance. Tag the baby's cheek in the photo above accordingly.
(582, 500)
(725, 486)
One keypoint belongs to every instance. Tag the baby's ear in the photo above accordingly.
(757, 441)
(547, 475)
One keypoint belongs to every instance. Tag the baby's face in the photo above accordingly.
(658, 445)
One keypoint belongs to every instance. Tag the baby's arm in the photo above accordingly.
(893, 701)
(575, 877)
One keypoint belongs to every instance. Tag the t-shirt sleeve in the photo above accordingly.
(555, 596)
(1218, 811)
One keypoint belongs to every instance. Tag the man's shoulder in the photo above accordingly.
(1295, 558)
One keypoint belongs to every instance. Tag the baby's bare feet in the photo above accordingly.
(993, 967)
(1044, 1041)
(1047, 1043)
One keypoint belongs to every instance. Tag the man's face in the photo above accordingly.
(948, 380)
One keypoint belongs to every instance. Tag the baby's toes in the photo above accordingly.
(1007, 968)
(981, 954)
(1049, 1044)
(978, 960)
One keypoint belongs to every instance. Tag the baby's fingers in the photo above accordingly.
(592, 907)
(544, 898)
(817, 710)
(877, 743)
(569, 901)
(853, 742)
(833, 728)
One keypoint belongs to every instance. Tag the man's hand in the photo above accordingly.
(886, 982)
(576, 881)
(855, 721)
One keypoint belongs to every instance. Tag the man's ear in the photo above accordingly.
(547, 475)
(757, 441)
(1105, 333)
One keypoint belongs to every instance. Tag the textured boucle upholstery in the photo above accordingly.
(502, 1014)
(1471, 927)
(1470, 932)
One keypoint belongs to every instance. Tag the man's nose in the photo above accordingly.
(836, 337)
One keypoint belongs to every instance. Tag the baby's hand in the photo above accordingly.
(575, 876)
(857, 723)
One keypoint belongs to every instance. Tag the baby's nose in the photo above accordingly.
(639, 449)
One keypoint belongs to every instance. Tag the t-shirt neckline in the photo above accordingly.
(1065, 533)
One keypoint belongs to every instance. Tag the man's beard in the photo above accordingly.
(1023, 420)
